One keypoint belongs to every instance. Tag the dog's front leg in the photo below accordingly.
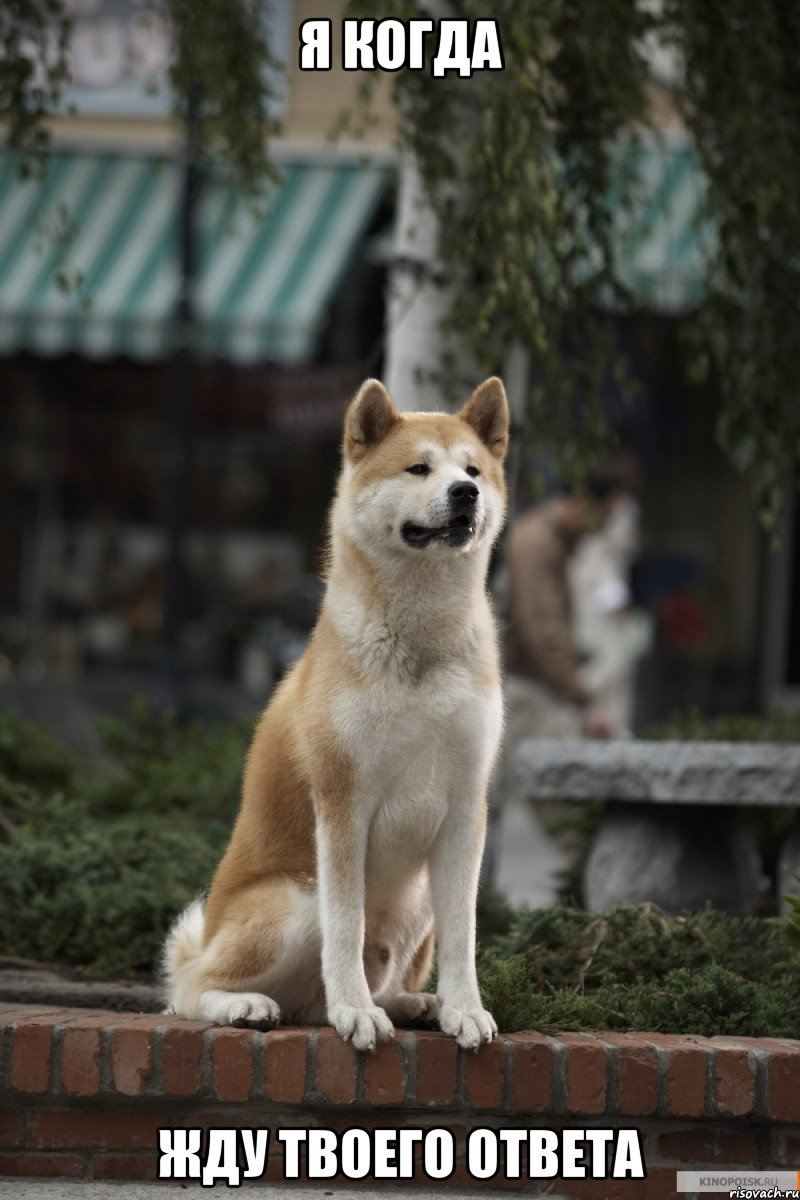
(454, 866)
(341, 857)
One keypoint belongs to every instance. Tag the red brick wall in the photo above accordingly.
(84, 1093)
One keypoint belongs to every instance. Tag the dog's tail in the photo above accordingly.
(179, 961)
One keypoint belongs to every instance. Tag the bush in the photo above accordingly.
(691, 725)
(95, 862)
(30, 756)
(100, 895)
(159, 765)
(638, 968)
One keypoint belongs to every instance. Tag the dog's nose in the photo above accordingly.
(462, 494)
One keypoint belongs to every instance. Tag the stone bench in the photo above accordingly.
(672, 832)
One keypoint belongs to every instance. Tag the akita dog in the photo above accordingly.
(363, 814)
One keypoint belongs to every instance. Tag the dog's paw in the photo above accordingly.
(469, 1026)
(413, 1006)
(250, 1009)
(364, 1027)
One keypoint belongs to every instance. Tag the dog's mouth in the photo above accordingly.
(456, 532)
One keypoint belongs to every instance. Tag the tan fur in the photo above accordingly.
(301, 782)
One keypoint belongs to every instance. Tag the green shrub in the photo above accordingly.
(637, 968)
(710, 1002)
(95, 863)
(692, 725)
(160, 765)
(30, 756)
(567, 947)
(100, 894)
(792, 923)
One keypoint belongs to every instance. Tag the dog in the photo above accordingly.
(363, 812)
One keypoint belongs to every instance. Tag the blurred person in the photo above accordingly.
(611, 634)
(547, 695)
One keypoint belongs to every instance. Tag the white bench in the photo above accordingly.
(672, 832)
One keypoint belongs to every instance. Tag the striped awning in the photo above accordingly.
(663, 245)
(88, 257)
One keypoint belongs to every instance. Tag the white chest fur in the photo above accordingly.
(417, 750)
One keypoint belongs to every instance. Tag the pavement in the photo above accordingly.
(78, 1189)
(23, 982)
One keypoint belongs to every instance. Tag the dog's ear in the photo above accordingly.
(369, 418)
(487, 412)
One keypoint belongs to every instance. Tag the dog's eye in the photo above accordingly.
(419, 469)
(472, 471)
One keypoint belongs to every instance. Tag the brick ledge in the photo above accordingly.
(82, 1053)
(83, 1092)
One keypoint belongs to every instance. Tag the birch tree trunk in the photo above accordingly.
(417, 300)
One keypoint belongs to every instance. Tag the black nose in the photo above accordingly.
(462, 495)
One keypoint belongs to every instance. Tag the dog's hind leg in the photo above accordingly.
(419, 968)
(251, 1009)
(412, 1004)
(261, 959)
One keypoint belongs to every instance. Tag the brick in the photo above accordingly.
(232, 1063)
(93, 1018)
(42, 1166)
(337, 1069)
(12, 1128)
(85, 1018)
(687, 1072)
(785, 1148)
(11, 1013)
(484, 1082)
(784, 1085)
(733, 1083)
(274, 1173)
(754, 1043)
(80, 1061)
(437, 1065)
(385, 1073)
(532, 1064)
(361, 1119)
(31, 1054)
(709, 1146)
(88, 1129)
(585, 1074)
(782, 1045)
(131, 1059)
(142, 1167)
(182, 1051)
(285, 1078)
(688, 1058)
(637, 1074)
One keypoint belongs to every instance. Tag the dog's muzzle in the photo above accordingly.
(462, 498)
